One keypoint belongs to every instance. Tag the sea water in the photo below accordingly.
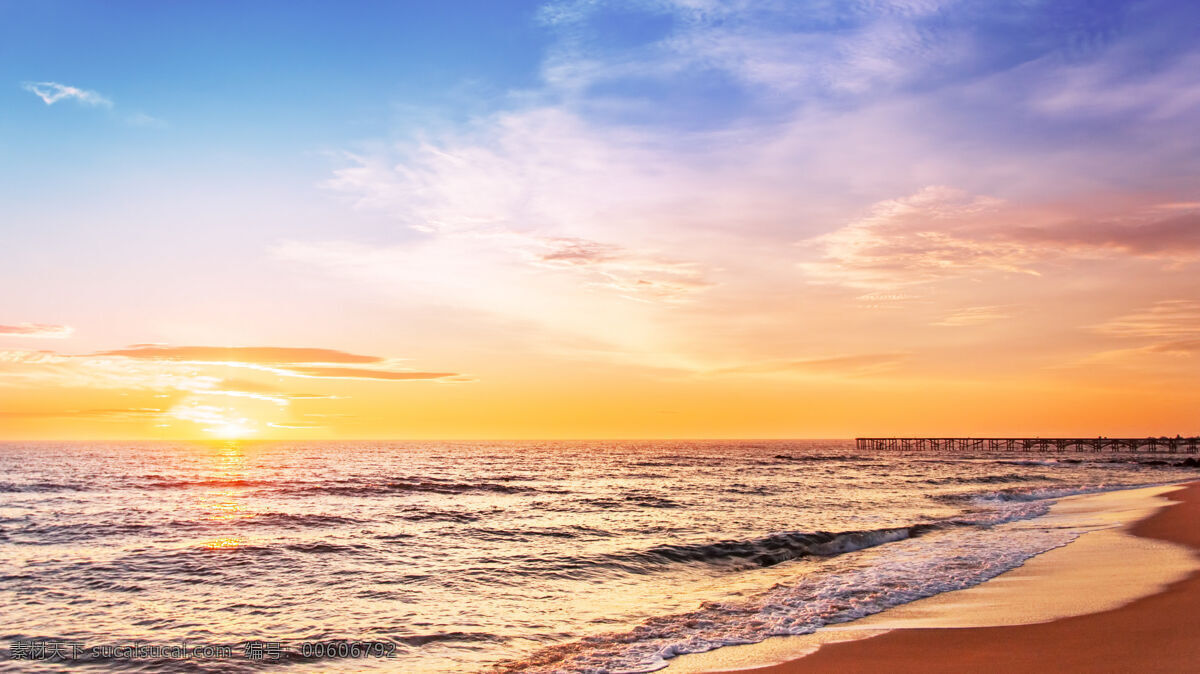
(514, 556)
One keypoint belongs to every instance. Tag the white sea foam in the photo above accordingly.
(964, 551)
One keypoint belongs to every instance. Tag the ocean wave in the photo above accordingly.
(290, 521)
(990, 479)
(741, 488)
(733, 555)
(217, 483)
(1026, 494)
(318, 548)
(821, 457)
(1031, 493)
(40, 487)
(359, 488)
(630, 501)
(967, 550)
(925, 566)
(775, 548)
(1028, 462)
(438, 515)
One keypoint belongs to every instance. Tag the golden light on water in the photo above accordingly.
(223, 544)
(226, 504)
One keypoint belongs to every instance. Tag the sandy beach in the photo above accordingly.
(1154, 633)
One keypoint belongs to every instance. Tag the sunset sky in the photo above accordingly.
(644, 218)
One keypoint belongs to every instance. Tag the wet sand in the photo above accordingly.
(1155, 633)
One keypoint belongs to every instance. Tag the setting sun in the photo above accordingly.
(233, 430)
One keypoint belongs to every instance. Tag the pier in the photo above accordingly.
(1161, 445)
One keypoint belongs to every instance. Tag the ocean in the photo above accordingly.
(496, 556)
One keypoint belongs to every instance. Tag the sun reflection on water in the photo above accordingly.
(227, 503)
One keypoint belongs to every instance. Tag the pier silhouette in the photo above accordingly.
(1159, 445)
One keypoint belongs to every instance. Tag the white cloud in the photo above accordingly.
(53, 92)
(142, 119)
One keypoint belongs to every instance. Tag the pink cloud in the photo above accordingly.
(38, 330)
(278, 355)
(941, 233)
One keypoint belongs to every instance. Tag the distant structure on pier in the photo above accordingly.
(1175, 445)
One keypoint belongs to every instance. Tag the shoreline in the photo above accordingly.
(1136, 545)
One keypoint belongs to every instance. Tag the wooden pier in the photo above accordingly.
(1162, 445)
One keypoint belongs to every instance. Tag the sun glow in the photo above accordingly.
(232, 430)
(227, 422)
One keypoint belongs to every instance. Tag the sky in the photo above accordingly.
(584, 219)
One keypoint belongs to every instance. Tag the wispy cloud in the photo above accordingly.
(39, 330)
(142, 119)
(1165, 319)
(974, 316)
(53, 92)
(857, 365)
(1158, 343)
(242, 354)
(364, 373)
(107, 414)
(301, 362)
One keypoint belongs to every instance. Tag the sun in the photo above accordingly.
(232, 430)
(226, 422)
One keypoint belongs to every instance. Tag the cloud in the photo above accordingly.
(108, 414)
(858, 365)
(38, 330)
(636, 274)
(278, 355)
(142, 119)
(646, 198)
(974, 316)
(1108, 88)
(53, 92)
(937, 233)
(193, 379)
(1165, 319)
(305, 362)
(537, 188)
(1187, 346)
(800, 50)
(362, 373)
(1171, 237)
(942, 232)
(1166, 336)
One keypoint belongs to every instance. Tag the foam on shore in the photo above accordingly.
(1105, 568)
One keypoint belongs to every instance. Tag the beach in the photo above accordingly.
(1151, 633)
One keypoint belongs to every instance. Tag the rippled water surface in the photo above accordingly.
(519, 556)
